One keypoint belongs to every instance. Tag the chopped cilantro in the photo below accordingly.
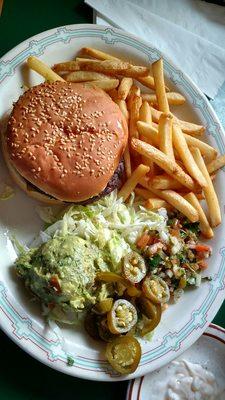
(183, 234)
(70, 361)
(193, 227)
(181, 257)
(154, 261)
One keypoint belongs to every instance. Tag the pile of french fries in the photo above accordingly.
(167, 164)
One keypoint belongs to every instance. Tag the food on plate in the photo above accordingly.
(130, 243)
(112, 266)
(165, 135)
(65, 141)
(209, 191)
(173, 98)
(44, 70)
(163, 161)
(160, 90)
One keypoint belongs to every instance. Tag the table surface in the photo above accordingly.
(22, 377)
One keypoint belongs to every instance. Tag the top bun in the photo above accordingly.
(66, 139)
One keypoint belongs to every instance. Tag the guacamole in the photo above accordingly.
(61, 272)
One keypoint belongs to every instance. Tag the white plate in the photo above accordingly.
(208, 351)
(183, 323)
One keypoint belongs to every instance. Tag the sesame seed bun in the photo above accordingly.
(66, 139)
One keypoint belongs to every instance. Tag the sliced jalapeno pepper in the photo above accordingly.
(124, 354)
(156, 289)
(122, 317)
(103, 307)
(152, 311)
(134, 268)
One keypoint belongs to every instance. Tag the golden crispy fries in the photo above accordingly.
(207, 151)
(145, 113)
(84, 76)
(187, 127)
(163, 161)
(165, 181)
(182, 148)
(67, 66)
(100, 55)
(123, 108)
(173, 98)
(179, 203)
(214, 165)
(44, 70)
(124, 88)
(110, 67)
(149, 132)
(132, 181)
(158, 75)
(106, 85)
(155, 203)
(144, 193)
(134, 115)
(127, 161)
(146, 116)
(165, 135)
(209, 191)
(204, 224)
(134, 91)
(147, 81)
(113, 67)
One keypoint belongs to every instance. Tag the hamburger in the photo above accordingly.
(64, 143)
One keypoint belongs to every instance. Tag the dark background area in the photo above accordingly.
(22, 377)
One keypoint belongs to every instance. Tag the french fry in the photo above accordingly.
(199, 196)
(165, 135)
(44, 70)
(214, 165)
(113, 67)
(124, 88)
(178, 202)
(206, 150)
(173, 98)
(132, 181)
(149, 132)
(187, 127)
(127, 161)
(147, 81)
(145, 113)
(165, 181)
(209, 191)
(134, 115)
(67, 66)
(123, 108)
(155, 203)
(204, 223)
(106, 85)
(100, 55)
(158, 75)
(163, 161)
(182, 148)
(145, 116)
(84, 76)
(134, 91)
(144, 193)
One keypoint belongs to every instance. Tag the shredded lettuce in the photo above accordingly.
(109, 223)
